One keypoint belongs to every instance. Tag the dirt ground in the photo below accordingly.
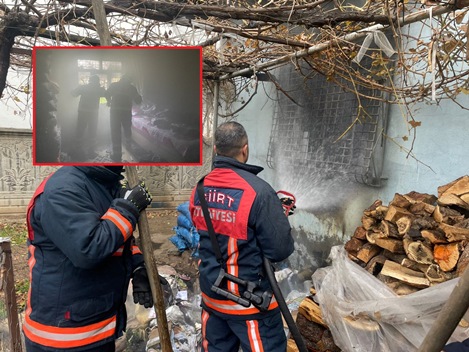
(161, 223)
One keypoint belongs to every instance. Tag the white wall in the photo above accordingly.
(441, 142)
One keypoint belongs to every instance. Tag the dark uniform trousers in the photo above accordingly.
(227, 335)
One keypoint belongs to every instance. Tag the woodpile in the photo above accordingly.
(417, 240)
(316, 334)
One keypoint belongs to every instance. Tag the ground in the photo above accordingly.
(161, 223)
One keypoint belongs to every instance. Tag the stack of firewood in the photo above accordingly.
(417, 240)
(315, 332)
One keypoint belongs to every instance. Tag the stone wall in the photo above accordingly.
(169, 185)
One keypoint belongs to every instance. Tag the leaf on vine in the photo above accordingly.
(415, 124)
(405, 138)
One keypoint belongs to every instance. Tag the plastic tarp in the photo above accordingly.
(365, 315)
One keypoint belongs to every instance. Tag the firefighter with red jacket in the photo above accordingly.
(82, 255)
(250, 224)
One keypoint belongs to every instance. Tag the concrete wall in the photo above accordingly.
(169, 185)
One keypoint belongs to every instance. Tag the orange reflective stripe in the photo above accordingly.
(53, 336)
(233, 308)
(232, 264)
(31, 263)
(121, 222)
(205, 317)
(119, 252)
(254, 336)
(136, 250)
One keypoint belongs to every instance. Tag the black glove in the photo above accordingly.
(141, 287)
(139, 195)
(288, 206)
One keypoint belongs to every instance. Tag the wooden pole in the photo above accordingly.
(150, 263)
(143, 228)
(10, 295)
(448, 318)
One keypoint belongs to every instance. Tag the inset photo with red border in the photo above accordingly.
(117, 105)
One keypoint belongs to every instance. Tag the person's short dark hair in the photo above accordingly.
(94, 79)
(230, 137)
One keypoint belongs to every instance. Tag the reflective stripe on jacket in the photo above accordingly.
(81, 257)
(249, 223)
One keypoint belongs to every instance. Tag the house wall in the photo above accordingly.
(329, 211)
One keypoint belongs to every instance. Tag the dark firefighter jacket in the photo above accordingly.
(250, 224)
(81, 257)
(89, 96)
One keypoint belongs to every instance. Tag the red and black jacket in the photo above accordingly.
(250, 224)
(81, 257)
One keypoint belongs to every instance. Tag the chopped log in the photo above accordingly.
(401, 288)
(395, 213)
(436, 275)
(375, 265)
(371, 236)
(452, 199)
(457, 187)
(446, 255)
(354, 259)
(353, 245)
(403, 224)
(447, 215)
(311, 311)
(368, 211)
(413, 265)
(395, 257)
(436, 236)
(367, 252)
(454, 233)
(389, 229)
(418, 251)
(361, 322)
(377, 213)
(424, 222)
(416, 197)
(360, 233)
(390, 244)
(400, 201)
(291, 346)
(316, 336)
(443, 188)
(411, 277)
(368, 222)
(465, 197)
(422, 208)
(463, 261)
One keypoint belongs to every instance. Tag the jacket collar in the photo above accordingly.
(100, 174)
(227, 162)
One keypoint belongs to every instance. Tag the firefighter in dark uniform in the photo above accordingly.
(87, 120)
(250, 223)
(82, 256)
(121, 96)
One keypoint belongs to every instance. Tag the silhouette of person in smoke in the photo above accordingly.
(87, 121)
(121, 96)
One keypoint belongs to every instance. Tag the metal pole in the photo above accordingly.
(449, 317)
(10, 295)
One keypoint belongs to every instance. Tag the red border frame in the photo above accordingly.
(199, 48)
